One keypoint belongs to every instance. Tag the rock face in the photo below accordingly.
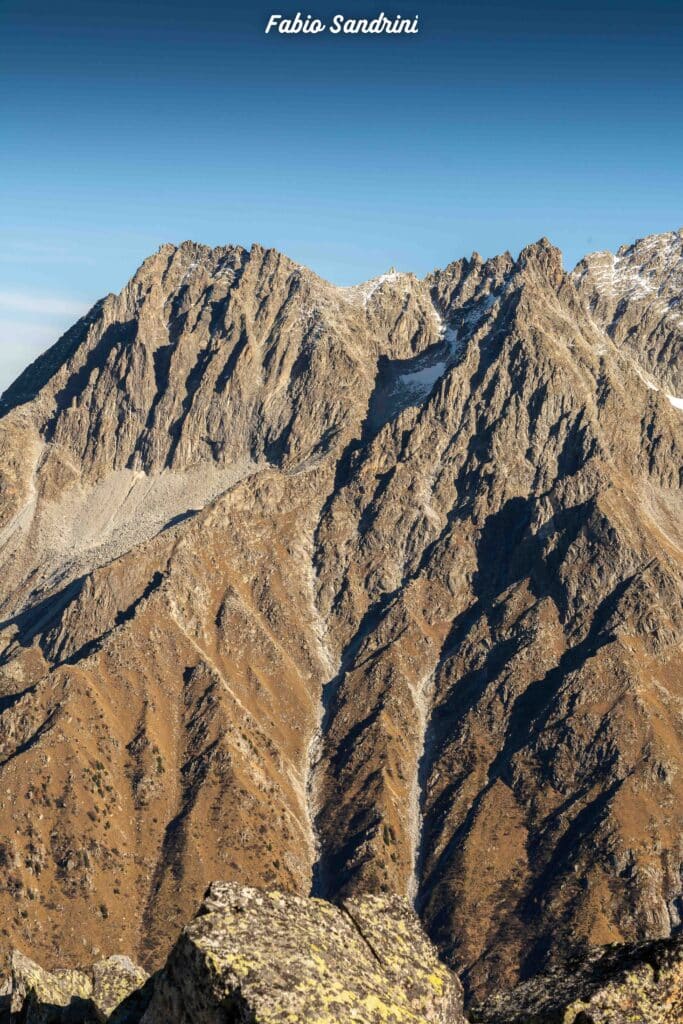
(274, 958)
(636, 297)
(614, 985)
(348, 590)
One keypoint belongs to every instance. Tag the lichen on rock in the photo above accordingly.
(616, 984)
(277, 958)
(112, 990)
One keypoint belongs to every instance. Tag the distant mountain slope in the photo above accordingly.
(637, 297)
(377, 588)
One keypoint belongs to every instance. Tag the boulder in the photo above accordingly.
(118, 989)
(112, 990)
(616, 984)
(41, 997)
(276, 958)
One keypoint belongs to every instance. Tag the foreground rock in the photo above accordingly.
(270, 957)
(267, 957)
(112, 990)
(263, 957)
(632, 984)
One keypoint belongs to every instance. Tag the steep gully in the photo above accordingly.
(398, 384)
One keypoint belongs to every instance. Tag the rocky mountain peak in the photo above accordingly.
(635, 296)
(345, 591)
(543, 257)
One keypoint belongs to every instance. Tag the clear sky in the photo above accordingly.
(127, 124)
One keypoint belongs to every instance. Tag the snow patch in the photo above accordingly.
(364, 292)
(676, 402)
(647, 381)
(190, 270)
(420, 381)
(635, 273)
(473, 317)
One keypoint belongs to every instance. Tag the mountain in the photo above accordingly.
(346, 590)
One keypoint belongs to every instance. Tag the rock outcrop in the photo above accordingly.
(262, 957)
(347, 591)
(269, 957)
(614, 985)
(274, 958)
(112, 990)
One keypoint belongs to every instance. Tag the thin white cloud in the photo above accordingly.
(28, 333)
(21, 341)
(41, 305)
(43, 253)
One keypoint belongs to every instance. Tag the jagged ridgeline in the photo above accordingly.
(348, 590)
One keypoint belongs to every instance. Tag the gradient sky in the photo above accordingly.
(125, 125)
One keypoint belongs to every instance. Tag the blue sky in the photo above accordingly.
(125, 125)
